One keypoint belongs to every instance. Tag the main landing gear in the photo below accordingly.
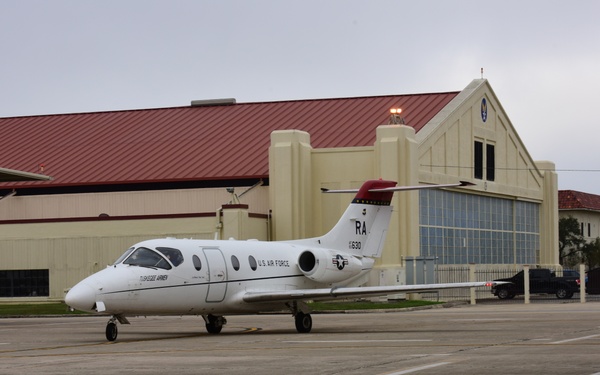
(302, 317)
(214, 324)
(303, 322)
(111, 326)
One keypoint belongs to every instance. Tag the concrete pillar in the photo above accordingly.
(235, 221)
(396, 159)
(472, 279)
(582, 283)
(290, 184)
(549, 254)
(526, 283)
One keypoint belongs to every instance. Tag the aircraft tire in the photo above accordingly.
(303, 322)
(111, 331)
(215, 324)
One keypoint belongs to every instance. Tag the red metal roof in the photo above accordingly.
(576, 200)
(191, 143)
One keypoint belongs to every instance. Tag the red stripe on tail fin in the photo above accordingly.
(364, 196)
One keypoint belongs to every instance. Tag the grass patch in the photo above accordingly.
(367, 305)
(25, 309)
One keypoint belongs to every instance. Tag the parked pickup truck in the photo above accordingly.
(541, 280)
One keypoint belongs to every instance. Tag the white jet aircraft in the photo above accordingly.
(212, 278)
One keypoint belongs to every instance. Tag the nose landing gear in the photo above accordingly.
(111, 326)
(111, 330)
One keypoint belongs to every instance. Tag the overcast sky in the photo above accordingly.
(540, 57)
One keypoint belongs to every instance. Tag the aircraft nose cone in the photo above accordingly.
(81, 297)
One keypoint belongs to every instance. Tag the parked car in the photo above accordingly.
(592, 281)
(541, 281)
(570, 273)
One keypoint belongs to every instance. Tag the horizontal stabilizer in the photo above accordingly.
(401, 188)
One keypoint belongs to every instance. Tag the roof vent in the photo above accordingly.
(213, 102)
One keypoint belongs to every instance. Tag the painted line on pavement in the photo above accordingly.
(575, 339)
(351, 341)
(415, 369)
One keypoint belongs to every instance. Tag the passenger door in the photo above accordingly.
(217, 275)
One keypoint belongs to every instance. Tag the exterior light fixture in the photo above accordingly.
(395, 118)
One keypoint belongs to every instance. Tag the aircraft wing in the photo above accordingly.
(348, 292)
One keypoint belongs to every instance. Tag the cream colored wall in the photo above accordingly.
(396, 153)
(340, 168)
(290, 191)
(178, 201)
(74, 250)
(236, 223)
(446, 146)
(392, 157)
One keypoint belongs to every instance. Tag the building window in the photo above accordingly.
(478, 174)
(459, 228)
(490, 162)
(24, 283)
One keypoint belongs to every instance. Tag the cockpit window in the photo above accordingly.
(125, 255)
(147, 258)
(173, 255)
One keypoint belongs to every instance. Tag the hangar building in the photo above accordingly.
(120, 177)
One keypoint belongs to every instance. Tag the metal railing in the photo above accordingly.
(476, 272)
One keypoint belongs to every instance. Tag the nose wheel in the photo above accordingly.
(111, 326)
(111, 330)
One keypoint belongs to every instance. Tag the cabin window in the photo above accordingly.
(143, 257)
(235, 263)
(253, 264)
(173, 255)
(197, 262)
(125, 255)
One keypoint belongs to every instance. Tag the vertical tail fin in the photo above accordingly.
(362, 228)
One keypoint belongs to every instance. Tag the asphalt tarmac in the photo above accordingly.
(500, 338)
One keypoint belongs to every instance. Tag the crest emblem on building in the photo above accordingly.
(484, 111)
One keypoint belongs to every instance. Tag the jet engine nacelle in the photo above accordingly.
(326, 266)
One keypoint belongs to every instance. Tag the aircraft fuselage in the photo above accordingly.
(210, 279)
